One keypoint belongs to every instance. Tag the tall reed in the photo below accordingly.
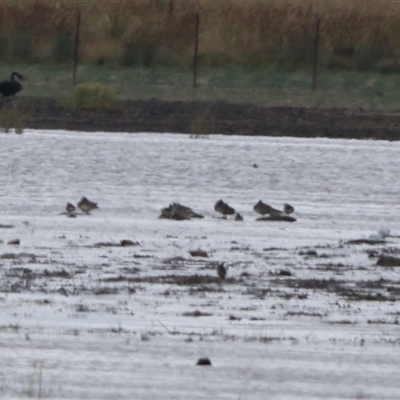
(252, 34)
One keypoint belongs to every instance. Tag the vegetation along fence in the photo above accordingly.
(254, 34)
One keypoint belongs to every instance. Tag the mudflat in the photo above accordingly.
(211, 117)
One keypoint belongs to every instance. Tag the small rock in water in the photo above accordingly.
(204, 361)
(238, 217)
(283, 272)
(388, 261)
(198, 253)
(128, 242)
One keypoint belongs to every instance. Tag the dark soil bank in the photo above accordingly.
(224, 118)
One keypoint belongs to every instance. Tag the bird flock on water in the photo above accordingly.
(84, 204)
(174, 211)
(180, 212)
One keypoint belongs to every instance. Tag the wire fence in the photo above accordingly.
(75, 43)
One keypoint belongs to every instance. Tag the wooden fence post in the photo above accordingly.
(76, 50)
(196, 49)
(315, 60)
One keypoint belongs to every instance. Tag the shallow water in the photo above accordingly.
(87, 321)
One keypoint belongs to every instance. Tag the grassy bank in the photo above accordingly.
(355, 35)
(371, 91)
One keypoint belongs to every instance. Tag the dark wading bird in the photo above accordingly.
(224, 208)
(221, 270)
(86, 205)
(10, 88)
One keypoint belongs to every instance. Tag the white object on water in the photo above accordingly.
(384, 232)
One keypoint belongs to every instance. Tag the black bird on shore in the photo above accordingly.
(10, 88)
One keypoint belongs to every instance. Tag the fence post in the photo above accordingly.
(315, 60)
(76, 50)
(196, 49)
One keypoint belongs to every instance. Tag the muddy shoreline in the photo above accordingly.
(209, 117)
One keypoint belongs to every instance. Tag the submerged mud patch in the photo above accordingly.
(229, 119)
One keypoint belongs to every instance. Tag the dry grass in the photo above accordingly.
(203, 124)
(94, 96)
(251, 33)
(12, 117)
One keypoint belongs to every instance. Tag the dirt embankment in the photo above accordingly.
(230, 119)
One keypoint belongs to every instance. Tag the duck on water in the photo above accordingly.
(11, 87)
